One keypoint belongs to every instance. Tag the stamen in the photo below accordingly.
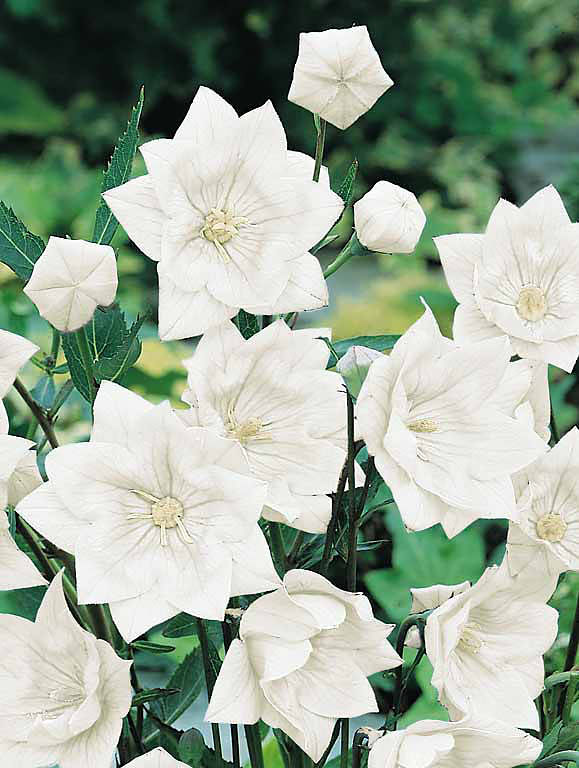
(165, 513)
(470, 639)
(423, 425)
(251, 429)
(531, 304)
(551, 527)
(220, 227)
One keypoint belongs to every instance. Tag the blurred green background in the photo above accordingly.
(485, 104)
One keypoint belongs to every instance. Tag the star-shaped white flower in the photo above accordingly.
(14, 352)
(70, 279)
(64, 693)
(229, 215)
(157, 758)
(443, 425)
(546, 535)
(338, 75)
(469, 742)
(18, 476)
(520, 278)
(302, 661)
(486, 647)
(272, 396)
(389, 219)
(157, 521)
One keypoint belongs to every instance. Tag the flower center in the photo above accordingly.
(250, 429)
(470, 639)
(166, 513)
(423, 425)
(531, 304)
(551, 527)
(219, 227)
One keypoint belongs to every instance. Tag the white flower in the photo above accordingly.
(428, 598)
(157, 522)
(18, 476)
(302, 661)
(354, 366)
(272, 396)
(438, 420)
(157, 758)
(389, 219)
(64, 693)
(70, 279)
(486, 647)
(338, 75)
(520, 278)
(469, 742)
(14, 352)
(229, 215)
(547, 532)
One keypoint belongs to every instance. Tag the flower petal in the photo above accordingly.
(136, 206)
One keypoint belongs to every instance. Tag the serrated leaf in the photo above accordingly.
(550, 739)
(152, 694)
(114, 368)
(381, 343)
(248, 324)
(44, 392)
(346, 188)
(118, 172)
(145, 645)
(19, 248)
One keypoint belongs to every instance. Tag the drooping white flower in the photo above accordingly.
(469, 742)
(18, 476)
(520, 278)
(354, 366)
(428, 598)
(338, 75)
(14, 352)
(302, 661)
(157, 521)
(486, 647)
(439, 421)
(64, 693)
(389, 219)
(229, 215)
(70, 279)
(157, 758)
(546, 535)
(272, 396)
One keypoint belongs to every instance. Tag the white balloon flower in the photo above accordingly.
(302, 661)
(274, 398)
(338, 75)
(229, 214)
(469, 742)
(439, 421)
(546, 535)
(486, 647)
(64, 693)
(70, 279)
(354, 366)
(389, 219)
(14, 352)
(156, 519)
(520, 278)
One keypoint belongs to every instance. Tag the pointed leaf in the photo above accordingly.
(152, 694)
(145, 645)
(346, 188)
(19, 248)
(44, 392)
(381, 343)
(248, 324)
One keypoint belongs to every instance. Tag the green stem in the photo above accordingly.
(345, 255)
(55, 345)
(233, 730)
(87, 361)
(568, 756)
(103, 627)
(344, 742)
(359, 742)
(32, 427)
(278, 548)
(254, 748)
(336, 732)
(37, 412)
(573, 640)
(405, 626)
(210, 683)
(353, 512)
(320, 143)
(332, 525)
(295, 548)
(569, 698)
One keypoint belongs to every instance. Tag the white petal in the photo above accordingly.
(157, 758)
(136, 206)
(17, 571)
(458, 255)
(45, 512)
(253, 569)
(470, 325)
(14, 352)
(306, 289)
(136, 615)
(237, 697)
(116, 411)
(209, 117)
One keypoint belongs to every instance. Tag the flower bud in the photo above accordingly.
(338, 75)
(355, 365)
(70, 279)
(389, 219)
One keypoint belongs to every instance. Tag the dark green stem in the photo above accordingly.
(320, 143)
(253, 738)
(227, 638)
(345, 255)
(344, 742)
(295, 548)
(55, 345)
(332, 525)
(405, 626)
(210, 683)
(573, 640)
(37, 412)
(353, 512)
(278, 548)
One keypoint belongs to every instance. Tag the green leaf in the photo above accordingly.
(380, 343)
(184, 625)
(152, 694)
(19, 248)
(346, 188)
(248, 324)
(422, 558)
(145, 645)
(128, 352)
(117, 173)
(192, 747)
(44, 392)
(550, 740)
(327, 240)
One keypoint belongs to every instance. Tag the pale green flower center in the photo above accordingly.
(244, 431)
(551, 527)
(470, 639)
(220, 227)
(423, 425)
(531, 304)
(166, 513)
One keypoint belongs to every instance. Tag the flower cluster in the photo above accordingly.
(233, 507)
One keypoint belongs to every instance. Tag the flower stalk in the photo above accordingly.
(352, 248)
(320, 143)
(210, 683)
(37, 412)
(573, 641)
